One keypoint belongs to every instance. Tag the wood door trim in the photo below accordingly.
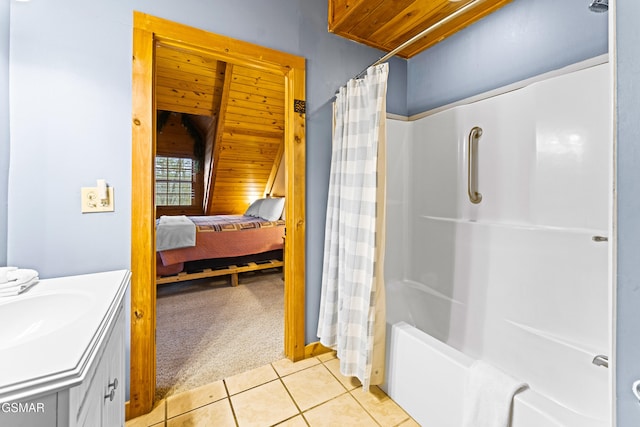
(147, 31)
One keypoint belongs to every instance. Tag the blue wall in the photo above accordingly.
(628, 187)
(4, 126)
(523, 39)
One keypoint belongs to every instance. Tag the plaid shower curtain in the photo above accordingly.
(352, 300)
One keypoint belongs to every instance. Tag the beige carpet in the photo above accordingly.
(207, 330)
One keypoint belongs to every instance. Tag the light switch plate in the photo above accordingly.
(91, 203)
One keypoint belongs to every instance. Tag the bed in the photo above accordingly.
(193, 247)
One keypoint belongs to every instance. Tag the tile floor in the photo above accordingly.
(311, 392)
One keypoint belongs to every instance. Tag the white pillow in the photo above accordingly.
(271, 208)
(254, 208)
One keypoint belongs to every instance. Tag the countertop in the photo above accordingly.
(49, 335)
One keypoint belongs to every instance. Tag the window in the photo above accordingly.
(175, 181)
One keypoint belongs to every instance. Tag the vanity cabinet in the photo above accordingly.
(99, 400)
(75, 378)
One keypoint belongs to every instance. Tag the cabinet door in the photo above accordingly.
(113, 380)
(86, 399)
(91, 416)
(103, 394)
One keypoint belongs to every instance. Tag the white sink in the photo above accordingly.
(27, 317)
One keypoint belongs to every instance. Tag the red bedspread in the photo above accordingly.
(224, 236)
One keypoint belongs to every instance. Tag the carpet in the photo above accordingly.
(207, 330)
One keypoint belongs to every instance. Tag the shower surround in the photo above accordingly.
(521, 279)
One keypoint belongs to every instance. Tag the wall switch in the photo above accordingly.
(91, 202)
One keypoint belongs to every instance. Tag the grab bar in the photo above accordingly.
(472, 166)
(601, 360)
(635, 388)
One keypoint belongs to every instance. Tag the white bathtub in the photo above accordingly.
(517, 280)
(427, 379)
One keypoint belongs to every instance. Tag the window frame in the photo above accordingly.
(197, 184)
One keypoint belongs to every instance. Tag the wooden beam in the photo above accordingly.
(274, 170)
(217, 144)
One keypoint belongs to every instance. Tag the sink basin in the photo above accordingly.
(26, 318)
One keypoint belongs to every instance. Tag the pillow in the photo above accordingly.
(254, 208)
(271, 208)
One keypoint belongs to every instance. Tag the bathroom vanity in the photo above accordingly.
(62, 352)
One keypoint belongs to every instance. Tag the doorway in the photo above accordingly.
(148, 32)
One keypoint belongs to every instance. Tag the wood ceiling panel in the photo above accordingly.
(260, 76)
(253, 105)
(233, 137)
(247, 178)
(200, 85)
(184, 56)
(171, 68)
(257, 82)
(250, 181)
(208, 97)
(241, 132)
(184, 102)
(187, 82)
(412, 20)
(246, 127)
(388, 24)
(276, 95)
(230, 144)
(256, 101)
(245, 153)
(245, 144)
(251, 139)
(276, 123)
(249, 106)
(377, 16)
(262, 113)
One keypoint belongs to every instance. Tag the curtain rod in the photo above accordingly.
(418, 36)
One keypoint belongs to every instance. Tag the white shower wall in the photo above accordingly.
(516, 280)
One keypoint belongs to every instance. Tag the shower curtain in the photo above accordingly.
(352, 316)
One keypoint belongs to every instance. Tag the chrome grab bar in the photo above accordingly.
(472, 165)
(601, 360)
(635, 388)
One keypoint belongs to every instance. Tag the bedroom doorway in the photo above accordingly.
(148, 33)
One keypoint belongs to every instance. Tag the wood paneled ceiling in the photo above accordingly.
(245, 142)
(249, 138)
(187, 82)
(385, 24)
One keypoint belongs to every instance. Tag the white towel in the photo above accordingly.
(488, 396)
(21, 275)
(173, 232)
(18, 276)
(19, 288)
